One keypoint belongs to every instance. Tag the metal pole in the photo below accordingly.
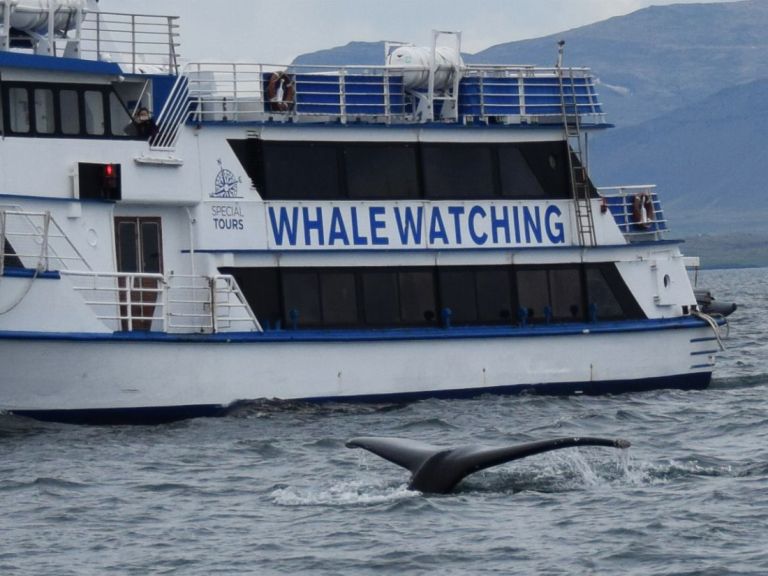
(2, 241)
(46, 226)
(51, 30)
(133, 42)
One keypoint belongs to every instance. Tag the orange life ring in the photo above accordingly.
(280, 81)
(643, 213)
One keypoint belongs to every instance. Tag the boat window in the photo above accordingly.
(601, 296)
(44, 116)
(517, 178)
(533, 293)
(549, 164)
(70, 112)
(407, 296)
(300, 171)
(261, 288)
(94, 112)
(127, 254)
(380, 298)
(151, 244)
(381, 170)
(458, 171)
(18, 110)
(301, 298)
(494, 295)
(607, 290)
(417, 297)
(459, 293)
(566, 294)
(119, 119)
(339, 298)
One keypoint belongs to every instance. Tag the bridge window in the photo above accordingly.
(70, 112)
(120, 121)
(40, 109)
(18, 110)
(94, 113)
(44, 115)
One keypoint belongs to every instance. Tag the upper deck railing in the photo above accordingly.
(139, 43)
(242, 92)
(636, 210)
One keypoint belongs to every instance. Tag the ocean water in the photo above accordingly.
(271, 489)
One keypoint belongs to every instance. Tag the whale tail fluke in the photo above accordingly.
(438, 470)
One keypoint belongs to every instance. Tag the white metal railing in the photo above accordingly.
(138, 42)
(636, 209)
(37, 241)
(250, 92)
(128, 302)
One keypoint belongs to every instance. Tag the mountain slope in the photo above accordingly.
(708, 160)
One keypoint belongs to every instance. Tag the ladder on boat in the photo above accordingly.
(580, 188)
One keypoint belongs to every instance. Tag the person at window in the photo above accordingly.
(142, 125)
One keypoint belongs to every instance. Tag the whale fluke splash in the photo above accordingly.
(437, 470)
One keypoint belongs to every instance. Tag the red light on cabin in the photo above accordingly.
(109, 170)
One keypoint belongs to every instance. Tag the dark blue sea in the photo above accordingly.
(271, 489)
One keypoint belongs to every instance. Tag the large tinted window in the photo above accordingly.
(494, 295)
(300, 171)
(417, 297)
(381, 170)
(458, 171)
(301, 298)
(516, 176)
(566, 294)
(338, 293)
(533, 293)
(549, 163)
(261, 288)
(459, 294)
(407, 296)
(381, 301)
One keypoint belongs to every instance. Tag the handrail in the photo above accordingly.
(135, 41)
(38, 236)
(129, 301)
(620, 201)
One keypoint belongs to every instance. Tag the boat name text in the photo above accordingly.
(415, 226)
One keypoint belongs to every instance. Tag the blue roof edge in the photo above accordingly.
(57, 64)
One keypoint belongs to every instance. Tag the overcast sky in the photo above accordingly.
(276, 31)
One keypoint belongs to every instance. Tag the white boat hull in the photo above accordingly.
(103, 374)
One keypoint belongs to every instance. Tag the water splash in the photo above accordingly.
(346, 493)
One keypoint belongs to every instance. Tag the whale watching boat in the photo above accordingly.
(176, 238)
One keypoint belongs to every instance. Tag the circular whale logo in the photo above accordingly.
(226, 183)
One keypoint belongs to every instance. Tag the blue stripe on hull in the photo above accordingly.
(120, 416)
(162, 415)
